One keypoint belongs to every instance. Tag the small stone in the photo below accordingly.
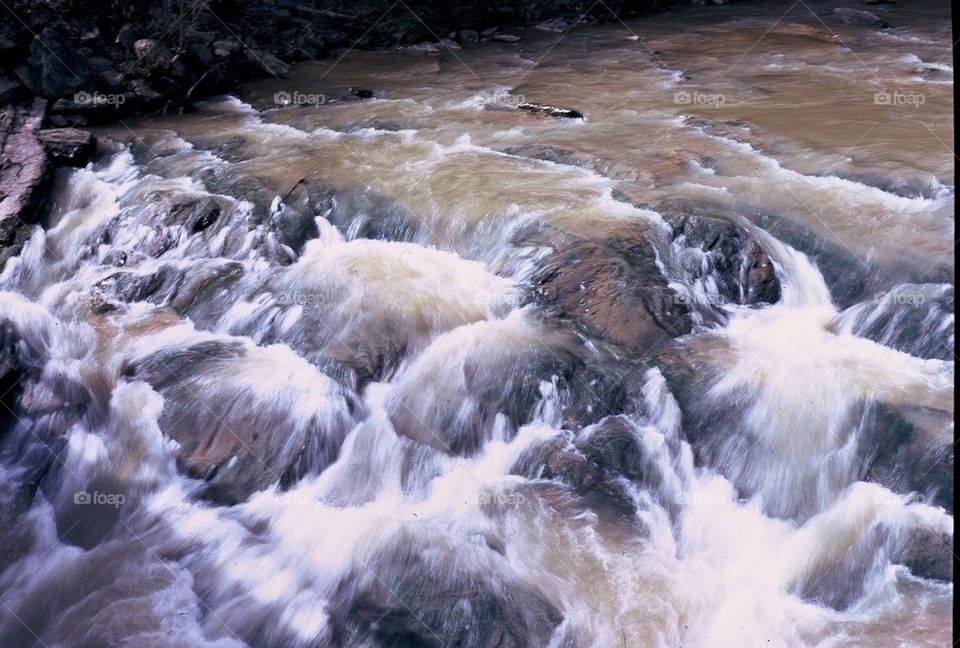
(126, 36)
(68, 146)
(144, 47)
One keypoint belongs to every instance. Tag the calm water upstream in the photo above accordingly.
(290, 377)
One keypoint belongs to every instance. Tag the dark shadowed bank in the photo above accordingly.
(160, 55)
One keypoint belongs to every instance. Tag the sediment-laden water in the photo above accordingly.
(304, 369)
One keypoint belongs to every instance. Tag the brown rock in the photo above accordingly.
(613, 288)
(68, 146)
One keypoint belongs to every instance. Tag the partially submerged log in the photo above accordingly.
(550, 111)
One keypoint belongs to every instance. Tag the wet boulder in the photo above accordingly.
(604, 465)
(68, 146)
(433, 593)
(560, 460)
(364, 213)
(294, 220)
(493, 377)
(547, 153)
(908, 452)
(928, 554)
(170, 284)
(743, 271)
(849, 277)
(238, 430)
(913, 318)
(613, 288)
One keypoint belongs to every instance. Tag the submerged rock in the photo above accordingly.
(431, 593)
(492, 377)
(605, 466)
(245, 418)
(861, 17)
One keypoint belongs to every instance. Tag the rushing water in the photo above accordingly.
(342, 288)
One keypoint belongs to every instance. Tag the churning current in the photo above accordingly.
(307, 368)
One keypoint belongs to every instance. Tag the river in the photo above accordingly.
(302, 368)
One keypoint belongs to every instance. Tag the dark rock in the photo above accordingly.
(144, 93)
(744, 272)
(361, 93)
(550, 111)
(368, 214)
(86, 109)
(424, 593)
(11, 91)
(115, 80)
(908, 452)
(225, 47)
(68, 146)
(201, 53)
(603, 464)
(468, 36)
(268, 63)
(558, 459)
(861, 17)
(145, 47)
(99, 63)
(54, 67)
(849, 277)
(295, 223)
(24, 171)
(115, 258)
(126, 37)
